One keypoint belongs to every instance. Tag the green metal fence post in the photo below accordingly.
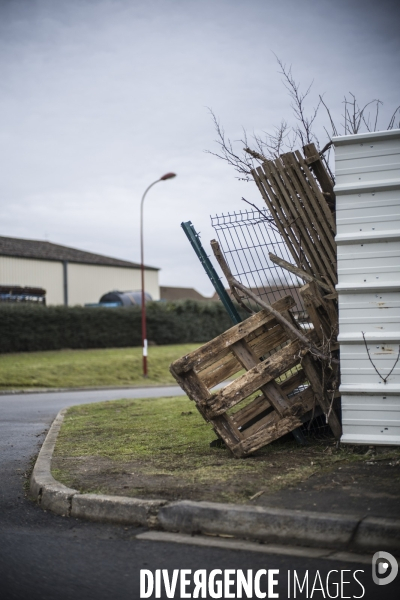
(194, 239)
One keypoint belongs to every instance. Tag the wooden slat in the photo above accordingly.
(319, 170)
(251, 381)
(324, 240)
(224, 427)
(309, 242)
(279, 218)
(322, 202)
(274, 395)
(268, 420)
(283, 201)
(312, 213)
(301, 404)
(312, 192)
(299, 272)
(192, 385)
(220, 346)
(229, 365)
(271, 390)
(259, 405)
(266, 436)
(296, 221)
(251, 411)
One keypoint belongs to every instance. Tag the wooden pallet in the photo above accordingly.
(259, 406)
(298, 204)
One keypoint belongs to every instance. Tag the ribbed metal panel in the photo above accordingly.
(368, 239)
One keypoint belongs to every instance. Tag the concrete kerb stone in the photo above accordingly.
(116, 509)
(60, 499)
(378, 533)
(49, 493)
(270, 525)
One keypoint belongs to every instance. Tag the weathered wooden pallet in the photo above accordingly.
(300, 209)
(260, 405)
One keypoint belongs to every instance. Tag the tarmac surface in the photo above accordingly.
(46, 556)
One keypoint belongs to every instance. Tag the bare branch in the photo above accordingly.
(285, 137)
(242, 165)
(304, 129)
(334, 130)
(393, 118)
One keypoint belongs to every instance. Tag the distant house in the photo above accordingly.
(68, 275)
(170, 294)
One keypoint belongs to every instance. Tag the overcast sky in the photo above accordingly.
(100, 98)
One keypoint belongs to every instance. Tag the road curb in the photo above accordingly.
(268, 525)
(84, 389)
(271, 525)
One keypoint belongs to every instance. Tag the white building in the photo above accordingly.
(69, 276)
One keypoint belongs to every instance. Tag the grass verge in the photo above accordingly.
(159, 448)
(114, 367)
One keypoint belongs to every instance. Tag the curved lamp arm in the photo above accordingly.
(144, 332)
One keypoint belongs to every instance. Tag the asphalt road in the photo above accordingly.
(47, 557)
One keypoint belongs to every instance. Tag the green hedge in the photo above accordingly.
(26, 328)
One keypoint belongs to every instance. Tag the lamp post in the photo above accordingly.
(144, 332)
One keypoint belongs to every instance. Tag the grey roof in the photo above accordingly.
(170, 293)
(21, 248)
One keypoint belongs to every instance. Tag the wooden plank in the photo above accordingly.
(244, 354)
(321, 200)
(319, 243)
(302, 403)
(251, 381)
(274, 394)
(229, 365)
(311, 209)
(318, 168)
(285, 204)
(224, 427)
(219, 371)
(265, 436)
(251, 411)
(264, 344)
(192, 385)
(268, 420)
(259, 405)
(271, 390)
(293, 208)
(220, 346)
(261, 178)
(299, 272)
(296, 163)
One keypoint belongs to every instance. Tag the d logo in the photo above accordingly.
(384, 568)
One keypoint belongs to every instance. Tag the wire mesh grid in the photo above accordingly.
(246, 238)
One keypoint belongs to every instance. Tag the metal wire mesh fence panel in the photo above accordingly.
(246, 239)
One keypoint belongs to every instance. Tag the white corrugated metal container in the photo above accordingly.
(368, 241)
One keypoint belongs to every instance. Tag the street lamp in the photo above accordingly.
(144, 333)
